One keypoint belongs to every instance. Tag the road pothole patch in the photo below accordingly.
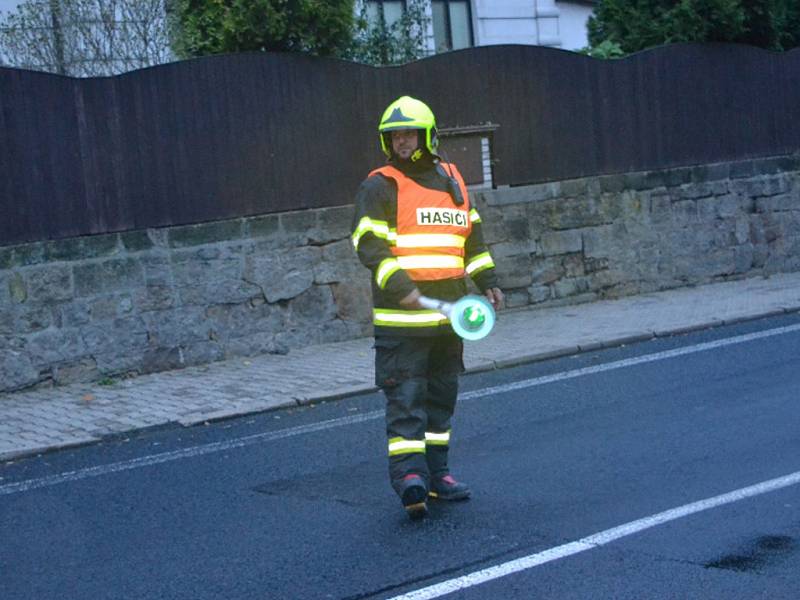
(757, 555)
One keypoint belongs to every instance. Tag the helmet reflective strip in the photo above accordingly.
(377, 228)
(404, 126)
(408, 318)
(437, 439)
(403, 446)
(386, 269)
(431, 261)
(474, 216)
(479, 263)
(430, 240)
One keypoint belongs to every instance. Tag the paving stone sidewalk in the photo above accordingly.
(45, 419)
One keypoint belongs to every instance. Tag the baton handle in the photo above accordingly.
(433, 304)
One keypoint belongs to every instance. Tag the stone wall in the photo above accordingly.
(87, 308)
(101, 306)
(615, 235)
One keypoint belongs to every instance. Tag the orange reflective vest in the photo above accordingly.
(431, 228)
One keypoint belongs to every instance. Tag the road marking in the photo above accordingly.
(595, 541)
(155, 459)
(628, 362)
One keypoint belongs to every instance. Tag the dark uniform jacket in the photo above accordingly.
(376, 201)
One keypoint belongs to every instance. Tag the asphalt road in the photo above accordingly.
(296, 504)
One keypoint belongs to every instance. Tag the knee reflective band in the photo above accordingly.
(398, 445)
(437, 439)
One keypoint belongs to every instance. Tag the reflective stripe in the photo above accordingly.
(400, 445)
(407, 318)
(377, 228)
(430, 240)
(437, 439)
(474, 216)
(431, 261)
(479, 263)
(386, 269)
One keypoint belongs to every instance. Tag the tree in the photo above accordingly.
(634, 25)
(85, 38)
(341, 28)
(773, 24)
(790, 32)
(322, 27)
(105, 37)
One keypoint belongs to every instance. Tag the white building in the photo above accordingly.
(8, 5)
(457, 24)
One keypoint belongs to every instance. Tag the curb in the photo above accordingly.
(342, 393)
(538, 357)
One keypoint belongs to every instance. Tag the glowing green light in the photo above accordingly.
(474, 317)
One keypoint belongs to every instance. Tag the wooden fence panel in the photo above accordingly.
(239, 135)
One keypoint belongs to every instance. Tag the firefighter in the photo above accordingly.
(418, 234)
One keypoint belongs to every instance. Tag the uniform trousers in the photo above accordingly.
(419, 377)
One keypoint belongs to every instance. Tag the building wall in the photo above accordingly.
(572, 19)
(516, 22)
(85, 308)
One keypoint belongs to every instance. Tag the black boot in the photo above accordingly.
(413, 493)
(447, 488)
(443, 485)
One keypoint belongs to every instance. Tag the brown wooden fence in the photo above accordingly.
(238, 135)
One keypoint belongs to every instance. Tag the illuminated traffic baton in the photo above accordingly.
(472, 317)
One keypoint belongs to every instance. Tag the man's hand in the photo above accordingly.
(496, 297)
(411, 301)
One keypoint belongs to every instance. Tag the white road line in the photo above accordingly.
(154, 459)
(596, 540)
(629, 362)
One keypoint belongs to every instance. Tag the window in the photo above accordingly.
(452, 24)
(389, 10)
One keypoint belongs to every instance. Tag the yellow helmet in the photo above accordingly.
(408, 113)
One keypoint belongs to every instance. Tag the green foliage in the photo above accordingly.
(773, 24)
(790, 26)
(202, 27)
(377, 43)
(323, 27)
(638, 24)
(605, 50)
